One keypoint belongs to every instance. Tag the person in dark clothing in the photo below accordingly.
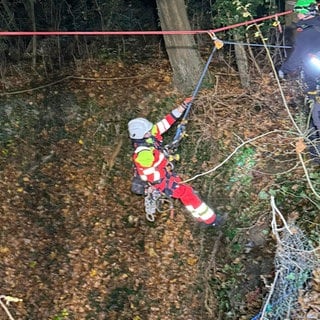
(305, 58)
(307, 44)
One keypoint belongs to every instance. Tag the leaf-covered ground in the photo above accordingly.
(75, 243)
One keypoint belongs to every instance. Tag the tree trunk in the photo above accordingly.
(184, 57)
(290, 18)
(29, 6)
(34, 38)
(242, 63)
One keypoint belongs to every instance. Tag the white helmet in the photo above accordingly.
(139, 127)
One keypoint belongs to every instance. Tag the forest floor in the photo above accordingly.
(75, 243)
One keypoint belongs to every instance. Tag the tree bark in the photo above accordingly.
(34, 38)
(183, 54)
(290, 18)
(242, 63)
(29, 6)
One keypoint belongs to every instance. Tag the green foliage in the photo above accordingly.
(239, 171)
(293, 194)
(232, 12)
(63, 315)
(243, 163)
(314, 234)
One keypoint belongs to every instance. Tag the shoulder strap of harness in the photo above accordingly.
(150, 142)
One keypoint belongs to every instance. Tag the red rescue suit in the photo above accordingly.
(153, 166)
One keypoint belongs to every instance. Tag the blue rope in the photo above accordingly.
(257, 317)
(256, 45)
(182, 126)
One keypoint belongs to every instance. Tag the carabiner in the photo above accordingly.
(150, 217)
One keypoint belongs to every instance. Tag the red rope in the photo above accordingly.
(246, 23)
(130, 33)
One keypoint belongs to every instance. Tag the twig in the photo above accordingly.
(308, 177)
(277, 79)
(115, 153)
(275, 211)
(64, 79)
(36, 88)
(277, 173)
(231, 154)
(270, 294)
(216, 84)
(212, 264)
(8, 299)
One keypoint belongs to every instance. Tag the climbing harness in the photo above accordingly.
(154, 200)
(181, 129)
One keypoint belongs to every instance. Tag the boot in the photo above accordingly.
(220, 220)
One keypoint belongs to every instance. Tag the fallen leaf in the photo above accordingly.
(300, 146)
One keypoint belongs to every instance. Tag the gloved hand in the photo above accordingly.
(280, 74)
(183, 106)
(186, 102)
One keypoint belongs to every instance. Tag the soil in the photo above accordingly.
(75, 243)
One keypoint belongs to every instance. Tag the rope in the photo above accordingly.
(256, 44)
(182, 126)
(136, 33)
(295, 259)
(247, 23)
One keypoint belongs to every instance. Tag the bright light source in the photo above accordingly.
(315, 61)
